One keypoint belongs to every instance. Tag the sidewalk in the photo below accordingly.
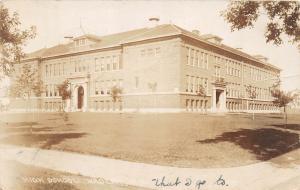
(261, 176)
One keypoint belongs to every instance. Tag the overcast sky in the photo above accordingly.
(56, 19)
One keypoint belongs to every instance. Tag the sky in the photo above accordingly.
(56, 19)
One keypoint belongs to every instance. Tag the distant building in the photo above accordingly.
(160, 68)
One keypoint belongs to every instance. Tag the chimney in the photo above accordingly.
(197, 32)
(212, 38)
(261, 58)
(153, 21)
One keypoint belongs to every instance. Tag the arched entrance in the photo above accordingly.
(80, 95)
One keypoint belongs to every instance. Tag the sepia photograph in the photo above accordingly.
(149, 95)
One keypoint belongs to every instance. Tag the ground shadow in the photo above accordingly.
(276, 117)
(50, 119)
(295, 127)
(265, 143)
(19, 124)
(45, 141)
(37, 129)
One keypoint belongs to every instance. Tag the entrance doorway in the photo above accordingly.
(218, 100)
(80, 97)
(218, 93)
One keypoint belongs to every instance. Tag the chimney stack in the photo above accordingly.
(261, 58)
(196, 32)
(153, 21)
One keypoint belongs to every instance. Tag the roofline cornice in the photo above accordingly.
(30, 59)
(77, 53)
(149, 40)
(224, 49)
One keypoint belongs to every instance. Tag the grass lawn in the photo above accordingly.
(184, 140)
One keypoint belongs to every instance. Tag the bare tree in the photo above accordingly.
(26, 85)
(116, 94)
(64, 92)
(282, 99)
(202, 93)
(252, 94)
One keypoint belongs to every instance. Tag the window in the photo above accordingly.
(198, 58)
(195, 62)
(102, 85)
(46, 70)
(206, 85)
(188, 55)
(81, 42)
(120, 62)
(107, 66)
(187, 83)
(50, 70)
(63, 68)
(206, 60)
(108, 86)
(96, 87)
(192, 84)
(226, 65)
(102, 64)
(217, 71)
(75, 66)
(114, 60)
(79, 66)
(136, 82)
(187, 101)
(202, 60)
(120, 83)
(157, 51)
(198, 84)
(55, 90)
(97, 64)
(83, 67)
(54, 69)
(50, 90)
(46, 87)
(108, 63)
(114, 83)
(59, 69)
(192, 57)
(150, 52)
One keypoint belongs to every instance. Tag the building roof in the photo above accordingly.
(137, 35)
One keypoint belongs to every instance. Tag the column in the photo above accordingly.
(223, 101)
(85, 98)
(74, 98)
(213, 108)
